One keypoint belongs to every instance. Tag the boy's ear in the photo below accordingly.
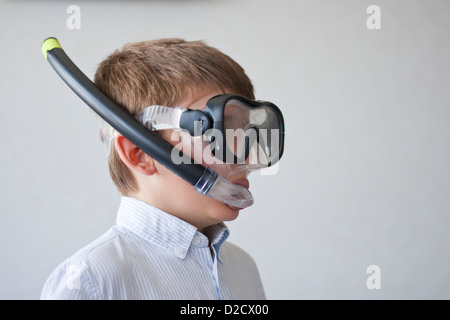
(135, 159)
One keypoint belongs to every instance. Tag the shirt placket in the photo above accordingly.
(208, 260)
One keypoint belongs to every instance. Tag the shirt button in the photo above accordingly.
(196, 241)
(178, 251)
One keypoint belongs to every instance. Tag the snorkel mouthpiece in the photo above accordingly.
(206, 181)
(213, 185)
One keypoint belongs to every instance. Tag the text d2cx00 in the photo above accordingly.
(246, 309)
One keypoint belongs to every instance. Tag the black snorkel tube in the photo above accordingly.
(206, 181)
(115, 115)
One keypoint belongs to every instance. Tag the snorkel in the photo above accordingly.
(204, 180)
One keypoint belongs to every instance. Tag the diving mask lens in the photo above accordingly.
(253, 134)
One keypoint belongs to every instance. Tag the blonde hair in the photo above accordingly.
(162, 72)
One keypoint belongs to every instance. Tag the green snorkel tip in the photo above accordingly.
(49, 44)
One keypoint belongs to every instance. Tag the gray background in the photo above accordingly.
(365, 178)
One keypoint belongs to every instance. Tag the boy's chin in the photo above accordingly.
(220, 211)
(228, 213)
(214, 210)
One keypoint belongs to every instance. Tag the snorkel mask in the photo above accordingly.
(239, 134)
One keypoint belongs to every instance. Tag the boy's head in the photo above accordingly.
(169, 72)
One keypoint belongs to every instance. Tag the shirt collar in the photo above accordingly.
(168, 232)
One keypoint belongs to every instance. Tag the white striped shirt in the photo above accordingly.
(150, 254)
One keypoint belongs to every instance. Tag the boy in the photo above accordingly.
(169, 240)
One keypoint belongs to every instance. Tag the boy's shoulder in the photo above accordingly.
(79, 274)
(232, 254)
(105, 245)
(236, 251)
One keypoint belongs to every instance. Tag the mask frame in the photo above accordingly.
(212, 124)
